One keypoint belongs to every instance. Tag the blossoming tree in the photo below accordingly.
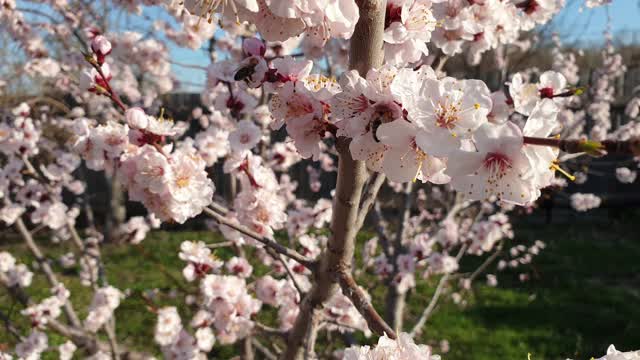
(456, 158)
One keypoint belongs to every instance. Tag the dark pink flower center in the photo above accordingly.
(546, 93)
(497, 163)
(393, 14)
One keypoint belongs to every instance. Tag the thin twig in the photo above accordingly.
(46, 268)
(287, 269)
(487, 262)
(426, 314)
(263, 349)
(281, 249)
(9, 326)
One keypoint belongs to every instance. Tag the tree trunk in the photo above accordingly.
(366, 53)
(116, 211)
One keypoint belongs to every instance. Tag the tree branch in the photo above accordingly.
(46, 269)
(426, 314)
(359, 299)
(281, 249)
(590, 147)
(370, 197)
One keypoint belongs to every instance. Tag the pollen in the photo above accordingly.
(182, 182)
(476, 106)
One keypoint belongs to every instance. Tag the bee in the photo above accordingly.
(382, 115)
(247, 70)
(375, 124)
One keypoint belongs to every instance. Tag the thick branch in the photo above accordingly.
(370, 197)
(365, 53)
(359, 299)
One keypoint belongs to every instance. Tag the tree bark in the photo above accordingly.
(366, 53)
(117, 211)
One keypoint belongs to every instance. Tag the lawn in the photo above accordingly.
(583, 295)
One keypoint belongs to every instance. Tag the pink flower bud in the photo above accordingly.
(91, 32)
(253, 47)
(136, 118)
(101, 47)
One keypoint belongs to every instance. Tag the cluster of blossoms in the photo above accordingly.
(49, 308)
(583, 202)
(408, 123)
(602, 91)
(226, 308)
(403, 347)
(12, 273)
(173, 185)
(176, 342)
(200, 261)
(433, 241)
(614, 354)
(32, 346)
(259, 205)
(413, 125)
(519, 255)
(455, 26)
(21, 139)
(104, 303)
(278, 21)
(279, 293)
(225, 317)
(626, 175)
(20, 30)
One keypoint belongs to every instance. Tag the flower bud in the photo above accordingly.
(101, 47)
(136, 118)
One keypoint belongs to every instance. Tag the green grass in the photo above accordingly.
(583, 295)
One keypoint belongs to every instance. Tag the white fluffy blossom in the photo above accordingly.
(403, 348)
(104, 303)
(583, 202)
(626, 175)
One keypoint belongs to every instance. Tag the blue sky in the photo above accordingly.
(587, 25)
(575, 24)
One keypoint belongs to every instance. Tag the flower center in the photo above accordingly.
(182, 181)
(447, 115)
(393, 14)
(497, 164)
(546, 93)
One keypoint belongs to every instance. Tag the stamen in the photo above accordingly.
(415, 177)
(554, 166)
